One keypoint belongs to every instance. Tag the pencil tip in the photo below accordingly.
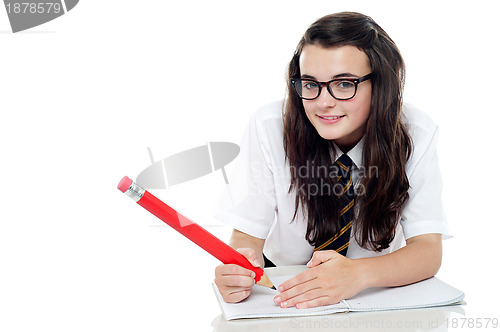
(265, 281)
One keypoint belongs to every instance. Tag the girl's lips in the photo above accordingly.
(330, 119)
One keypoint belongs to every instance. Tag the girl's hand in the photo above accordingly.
(235, 282)
(330, 279)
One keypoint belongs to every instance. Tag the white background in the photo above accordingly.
(83, 96)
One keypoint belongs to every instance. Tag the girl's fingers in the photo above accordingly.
(302, 298)
(233, 269)
(250, 255)
(321, 257)
(236, 296)
(235, 281)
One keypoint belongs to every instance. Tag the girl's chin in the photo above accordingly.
(342, 142)
(328, 135)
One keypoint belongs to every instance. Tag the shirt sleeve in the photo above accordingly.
(249, 201)
(423, 213)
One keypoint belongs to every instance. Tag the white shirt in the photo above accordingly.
(257, 201)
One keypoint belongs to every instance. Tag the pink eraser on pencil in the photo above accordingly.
(124, 184)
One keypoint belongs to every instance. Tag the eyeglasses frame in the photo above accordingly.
(356, 81)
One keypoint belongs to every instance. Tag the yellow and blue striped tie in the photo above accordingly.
(340, 241)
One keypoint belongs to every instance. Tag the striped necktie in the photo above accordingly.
(345, 193)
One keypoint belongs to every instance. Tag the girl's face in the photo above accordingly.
(343, 121)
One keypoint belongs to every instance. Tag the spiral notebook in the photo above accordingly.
(427, 293)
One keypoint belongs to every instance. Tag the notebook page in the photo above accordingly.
(427, 293)
(260, 304)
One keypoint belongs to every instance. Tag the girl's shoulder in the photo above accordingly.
(419, 123)
(265, 130)
(424, 136)
(267, 121)
(271, 111)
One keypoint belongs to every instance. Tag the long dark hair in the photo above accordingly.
(387, 144)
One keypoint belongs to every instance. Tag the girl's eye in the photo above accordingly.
(309, 85)
(344, 85)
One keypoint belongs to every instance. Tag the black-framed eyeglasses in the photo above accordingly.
(339, 88)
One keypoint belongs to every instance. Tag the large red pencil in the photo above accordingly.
(190, 229)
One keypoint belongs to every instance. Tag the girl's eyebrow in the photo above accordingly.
(344, 75)
(308, 77)
(333, 77)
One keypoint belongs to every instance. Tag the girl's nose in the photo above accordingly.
(325, 99)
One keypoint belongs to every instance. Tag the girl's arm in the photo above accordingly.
(235, 282)
(333, 277)
(418, 260)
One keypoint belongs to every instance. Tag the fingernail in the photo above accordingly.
(280, 289)
(308, 263)
(253, 274)
(283, 304)
(256, 263)
(277, 300)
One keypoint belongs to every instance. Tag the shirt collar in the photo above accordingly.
(356, 153)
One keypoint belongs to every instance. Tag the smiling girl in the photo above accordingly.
(301, 193)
